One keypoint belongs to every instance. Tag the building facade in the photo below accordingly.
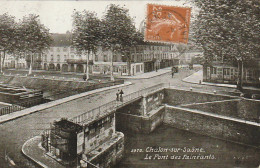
(145, 57)
(188, 56)
(62, 56)
(227, 72)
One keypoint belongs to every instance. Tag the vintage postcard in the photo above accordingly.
(129, 84)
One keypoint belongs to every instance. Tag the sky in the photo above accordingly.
(56, 15)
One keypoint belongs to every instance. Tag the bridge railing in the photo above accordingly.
(100, 111)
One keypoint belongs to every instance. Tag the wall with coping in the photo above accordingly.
(249, 109)
(213, 125)
(244, 109)
(57, 85)
(177, 97)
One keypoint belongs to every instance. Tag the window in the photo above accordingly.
(64, 49)
(105, 58)
(96, 58)
(58, 58)
(51, 49)
(115, 69)
(124, 69)
(71, 49)
(232, 72)
(226, 71)
(58, 49)
(214, 71)
(219, 71)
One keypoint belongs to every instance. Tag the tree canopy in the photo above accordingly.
(228, 29)
(118, 27)
(36, 37)
(86, 31)
(7, 32)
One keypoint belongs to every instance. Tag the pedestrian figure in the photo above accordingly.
(117, 95)
(84, 77)
(172, 74)
(121, 95)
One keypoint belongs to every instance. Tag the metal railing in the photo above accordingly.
(107, 108)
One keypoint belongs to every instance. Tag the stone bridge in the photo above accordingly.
(226, 117)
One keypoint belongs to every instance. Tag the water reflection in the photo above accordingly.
(219, 152)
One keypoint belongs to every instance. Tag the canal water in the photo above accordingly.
(168, 147)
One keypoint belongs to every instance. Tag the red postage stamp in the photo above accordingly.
(167, 23)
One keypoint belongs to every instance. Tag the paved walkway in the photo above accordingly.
(148, 75)
(27, 111)
(36, 153)
(197, 77)
(40, 107)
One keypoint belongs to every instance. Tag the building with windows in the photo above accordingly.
(145, 57)
(61, 56)
(188, 56)
(12, 61)
(227, 72)
(154, 56)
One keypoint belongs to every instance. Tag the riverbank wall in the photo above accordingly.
(229, 118)
(49, 84)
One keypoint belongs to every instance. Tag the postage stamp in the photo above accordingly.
(167, 23)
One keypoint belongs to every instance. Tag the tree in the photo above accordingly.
(229, 31)
(86, 34)
(35, 37)
(7, 36)
(181, 48)
(119, 32)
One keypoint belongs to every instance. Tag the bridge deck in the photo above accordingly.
(110, 107)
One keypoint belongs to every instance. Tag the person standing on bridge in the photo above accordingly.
(121, 95)
(117, 95)
(172, 73)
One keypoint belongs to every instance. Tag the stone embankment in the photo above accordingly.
(60, 84)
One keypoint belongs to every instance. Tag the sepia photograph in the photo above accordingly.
(130, 84)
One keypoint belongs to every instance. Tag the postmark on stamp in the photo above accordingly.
(167, 23)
